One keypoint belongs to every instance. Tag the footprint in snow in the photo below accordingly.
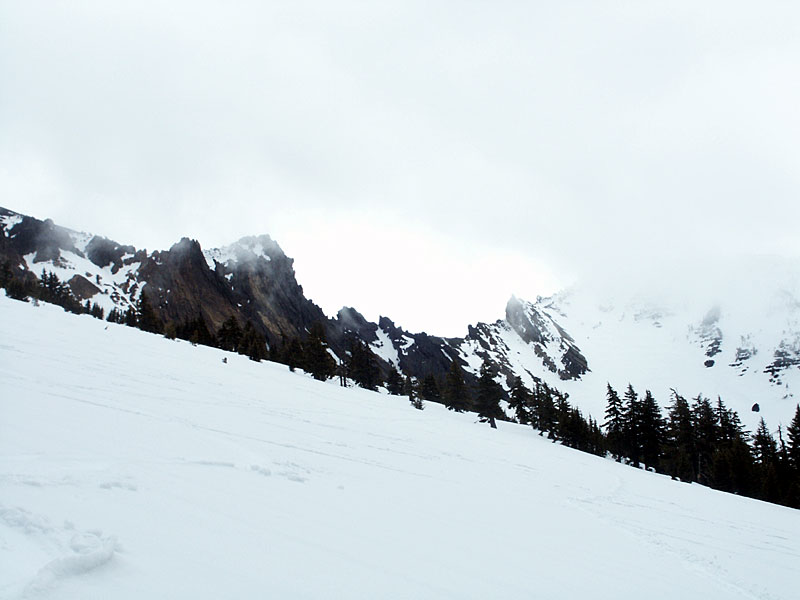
(110, 485)
(79, 552)
(87, 552)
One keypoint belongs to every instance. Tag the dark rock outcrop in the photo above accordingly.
(82, 288)
(254, 281)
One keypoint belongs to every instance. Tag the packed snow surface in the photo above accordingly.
(136, 467)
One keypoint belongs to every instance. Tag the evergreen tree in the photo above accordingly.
(394, 382)
(534, 405)
(520, 400)
(793, 433)
(19, 288)
(170, 330)
(362, 365)
(50, 289)
(278, 352)
(615, 423)
(252, 343)
(292, 353)
(792, 463)
(275, 351)
(487, 401)
(732, 460)
(652, 431)
(196, 331)
(705, 426)
(130, 317)
(631, 432)
(456, 396)
(316, 358)
(765, 450)
(563, 426)
(6, 274)
(97, 311)
(410, 391)
(429, 389)
(146, 318)
(679, 448)
(546, 410)
(764, 445)
(732, 468)
(597, 442)
(229, 334)
(785, 473)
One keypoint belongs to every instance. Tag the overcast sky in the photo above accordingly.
(422, 160)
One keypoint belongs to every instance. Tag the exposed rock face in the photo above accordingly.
(541, 330)
(786, 356)
(709, 334)
(253, 280)
(22, 236)
(263, 286)
(179, 282)
(529, 324)
(104, 252)
(546, 340)
(180, 286)
(42, 238)
(82, 288)
(350, 320)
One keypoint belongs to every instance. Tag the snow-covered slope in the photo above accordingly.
(136, 467)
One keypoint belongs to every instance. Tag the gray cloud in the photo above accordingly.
(585, 135)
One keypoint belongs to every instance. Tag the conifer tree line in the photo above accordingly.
(49, 288)
(312, 354)
(548, 410)
(697, 441)
(704, 442)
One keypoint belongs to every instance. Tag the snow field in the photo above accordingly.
(136, 467)
(658, 352)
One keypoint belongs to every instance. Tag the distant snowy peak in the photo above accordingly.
(538, 324)
(764, 338)
(246, 251)
(530, 343)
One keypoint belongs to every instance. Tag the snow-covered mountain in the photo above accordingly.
(252, 280)
(740, 345)
(743, 348)
(132, 466)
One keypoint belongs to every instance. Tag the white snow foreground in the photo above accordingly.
(136, 467)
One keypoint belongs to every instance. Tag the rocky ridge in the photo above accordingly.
(553, 340)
